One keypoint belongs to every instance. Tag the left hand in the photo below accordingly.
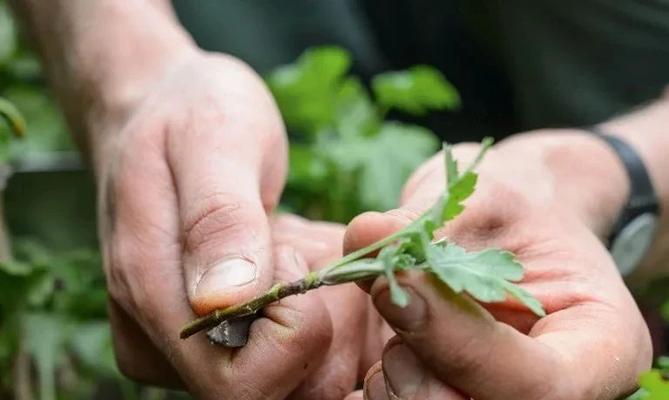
(358, 332)
(546, 197)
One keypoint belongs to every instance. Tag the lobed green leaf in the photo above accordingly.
(484, 275)
(654, 386)
(457, 194)
(306, 91)
(415, 91)
(397, 295)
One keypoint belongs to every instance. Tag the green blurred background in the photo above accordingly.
(345, 158)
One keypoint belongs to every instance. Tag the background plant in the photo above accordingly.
(54, 336)
(345, 158)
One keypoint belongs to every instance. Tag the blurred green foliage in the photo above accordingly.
(22, 83)
(53, 312)
(55, 340)
(654, 384)
(345, 157)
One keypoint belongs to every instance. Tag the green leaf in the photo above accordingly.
(656, 387)
(91, 343)
(307, 91)
(457, 193)
(486, 144)
(13, 117)
(415, 91)
(46, 131)
(398, 295)
(16, 268)
(355, 114)
(484, 275)
(526, 298)
(45, 335)
(383, 162)
(451, 165)
(8, 36)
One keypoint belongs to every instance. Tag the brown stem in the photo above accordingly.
(344, 273)
(277, 292)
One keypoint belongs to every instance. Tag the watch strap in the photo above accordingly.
(642, 198)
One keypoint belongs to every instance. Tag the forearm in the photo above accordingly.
(102, 55)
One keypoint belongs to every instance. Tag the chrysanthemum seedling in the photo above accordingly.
(487, 275)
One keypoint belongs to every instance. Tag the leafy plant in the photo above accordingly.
(22, 84)
(345, 157)
(53, 314)
(13, 124)
(486, 275)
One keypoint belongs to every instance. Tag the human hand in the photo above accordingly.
(185, 184)
(546, 197)
(359, 333)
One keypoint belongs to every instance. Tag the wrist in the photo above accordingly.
(646, 131)
(587, 178)
(115, 77)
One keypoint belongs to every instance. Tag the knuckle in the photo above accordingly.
(404, 214)
(425, 176)
(312, 339)
(310, 332)
(219, 215)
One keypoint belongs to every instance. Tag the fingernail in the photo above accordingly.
(409, 318)
(375, 387)
(229, 273)
(403, 371)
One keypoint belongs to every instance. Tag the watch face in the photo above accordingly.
(633, 242)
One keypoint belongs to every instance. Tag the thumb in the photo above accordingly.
(463, 345)
(226, 250)
(225, 230)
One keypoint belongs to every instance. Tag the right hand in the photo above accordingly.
(593, 342)
(186, 177)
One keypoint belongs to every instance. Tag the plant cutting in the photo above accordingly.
(487, 275)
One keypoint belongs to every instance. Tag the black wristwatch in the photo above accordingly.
(633, 233)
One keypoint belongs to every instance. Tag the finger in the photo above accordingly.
(136, 356)
(318, 242)
(287, 344)
(337, 374)
(143, 261)
(226, 242)
(357, 395)
(407, 378)
(372, 226)
(466, 348)
(377, 334)
(374, 387)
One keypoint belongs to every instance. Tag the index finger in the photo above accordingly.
(569, 354)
